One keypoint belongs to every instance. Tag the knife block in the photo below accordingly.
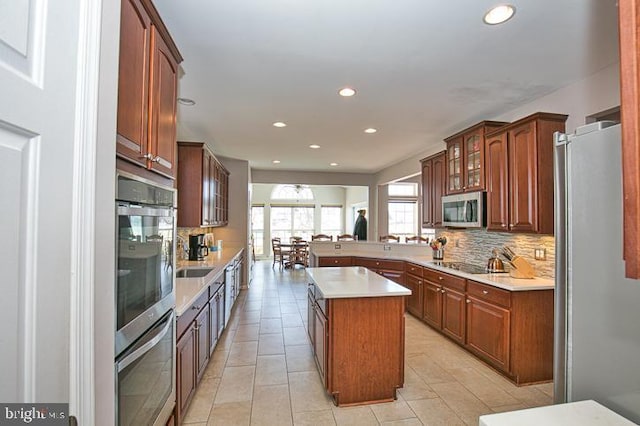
(521, 268)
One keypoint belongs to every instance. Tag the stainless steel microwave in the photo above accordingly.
(464, 210)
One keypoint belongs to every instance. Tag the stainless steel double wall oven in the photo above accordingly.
(145, 301)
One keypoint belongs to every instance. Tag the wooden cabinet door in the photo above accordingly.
(311, 315)
(432, 304)
(523, 178)
(439, 188)
(488, 328)
(164, 93)
(414, 301)
(453, 314)
(133, 82)
(320, 344)
(427, 193)
(213, 322)
(202, 341)
(185, 370)
(497, 182)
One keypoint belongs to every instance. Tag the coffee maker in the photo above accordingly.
(197, 249)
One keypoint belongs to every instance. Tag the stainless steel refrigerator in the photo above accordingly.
(597, 309)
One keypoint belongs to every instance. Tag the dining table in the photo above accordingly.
(298, 253)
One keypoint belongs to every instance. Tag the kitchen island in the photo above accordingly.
(356, 328)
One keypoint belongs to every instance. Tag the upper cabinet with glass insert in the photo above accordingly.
(465, 158)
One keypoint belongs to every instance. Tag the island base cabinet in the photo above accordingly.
(365, 349)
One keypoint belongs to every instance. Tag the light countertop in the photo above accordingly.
(583, 413)
(354, 281)
(189, 289)
(503, 281)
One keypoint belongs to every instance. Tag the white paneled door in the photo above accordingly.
(42, 102)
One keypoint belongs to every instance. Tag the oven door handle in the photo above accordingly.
(138, 353)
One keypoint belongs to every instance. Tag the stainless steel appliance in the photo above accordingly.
(145, 377)
(464, 210)
(145, 300)
(597, 339)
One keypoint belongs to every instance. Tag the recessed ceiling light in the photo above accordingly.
(279, 124)
(314, 146)
(333, 164)
(186, 101)
(347, 92)
(370, 130)
(499, 14)
(276, 161)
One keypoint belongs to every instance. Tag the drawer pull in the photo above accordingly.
(468, 301)
(442, 290)
(335, 261)
(377, 263)
(440, 278)
(196, 307)
(485, 292)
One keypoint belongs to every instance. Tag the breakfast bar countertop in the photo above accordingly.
(354, 281)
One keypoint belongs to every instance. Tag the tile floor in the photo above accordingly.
(263, 372)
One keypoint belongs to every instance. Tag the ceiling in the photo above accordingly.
(423, 70)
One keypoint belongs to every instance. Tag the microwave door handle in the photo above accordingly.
(464, 211)
(126, 361)
(468, 211)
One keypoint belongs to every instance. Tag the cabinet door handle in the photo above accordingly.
(468, 301)
(148, 156)
(442, 290)
(440, 278)
(485, 292)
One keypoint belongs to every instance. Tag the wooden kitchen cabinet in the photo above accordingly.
(433, 188)
(413, 281)
(147, 90)
(444, 294)
(629, 11)
(465, 158)
(203, 195)
(185, 370)
(489, 324)
(335, 261)
(320, 343)
(202, 327)
(391, 269)
(519, 173)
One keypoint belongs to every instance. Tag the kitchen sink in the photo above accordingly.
(193, 272)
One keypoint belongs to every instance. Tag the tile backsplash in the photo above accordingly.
(475, 246)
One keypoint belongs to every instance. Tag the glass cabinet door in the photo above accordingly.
(472, 149)
(454, 166)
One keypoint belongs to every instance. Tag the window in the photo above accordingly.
(403, 218)
(403, 209)
(331, 220)
(288, 221)
(257, 229)
(292, 192)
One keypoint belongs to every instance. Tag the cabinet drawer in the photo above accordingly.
(190, 313)
(413, 269)
(335, 261)
(489, 293)
(444, 279)
(394, 265)
(397, 276)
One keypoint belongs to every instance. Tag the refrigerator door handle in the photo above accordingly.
(561, 279)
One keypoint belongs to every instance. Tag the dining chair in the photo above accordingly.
(416, 239)
(389, 238)
(345, 237)
(279, 255)
(299, 254)
(322, 237)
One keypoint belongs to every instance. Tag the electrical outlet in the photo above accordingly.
(540, 254)
(387, 248)
(337, 246)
